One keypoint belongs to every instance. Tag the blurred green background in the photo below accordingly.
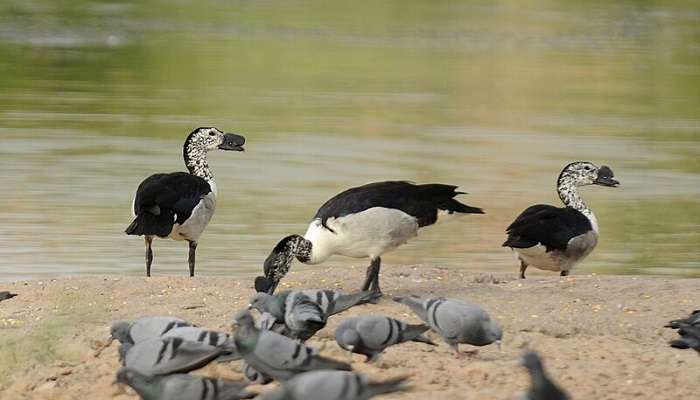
(494, 96)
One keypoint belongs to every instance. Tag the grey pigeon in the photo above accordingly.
(182, 387)
(305, 312)
(163, 356)
(275, 355)
(145, 328)
(455, 320)
(371, 334)
(6, 295)
(213, 338)
(693, 319)
(690, 338)
(542, 388)
(334, 385)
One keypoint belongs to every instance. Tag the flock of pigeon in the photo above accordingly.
(157, 353)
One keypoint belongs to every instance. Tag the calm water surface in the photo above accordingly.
(493, 96)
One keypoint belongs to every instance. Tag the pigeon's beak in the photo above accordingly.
(250, 306)
(351, 348)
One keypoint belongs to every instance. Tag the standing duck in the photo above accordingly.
(179, 205)
(365, 221)
(557, 238)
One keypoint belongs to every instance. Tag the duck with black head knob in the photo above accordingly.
(557, 238)
(179, 205)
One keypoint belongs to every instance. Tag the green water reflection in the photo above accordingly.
(493, 96)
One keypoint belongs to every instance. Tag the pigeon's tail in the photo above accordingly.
(415, 303)
(346, 301)
(680, 343)
(388, 386)
(320, 362)
(415, 333)
(148, 222)
(693, 319)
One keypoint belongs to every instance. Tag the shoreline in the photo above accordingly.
(601, 336)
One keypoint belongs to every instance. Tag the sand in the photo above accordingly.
(602, 336)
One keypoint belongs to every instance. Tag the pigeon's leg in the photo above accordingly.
(372, 358)
(190, 259)
(523, 267)
(461, 355)
(372, 275)
(149, 254)
(564, 273)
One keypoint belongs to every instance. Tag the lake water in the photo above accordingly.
(493, 96)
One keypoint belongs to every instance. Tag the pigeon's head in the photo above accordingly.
(130, 377)
(209, 138)
(531, 361)
(260, 302)
(120, 331)
(348, 339)
(582, 173)
(244, 319)
(494, 332)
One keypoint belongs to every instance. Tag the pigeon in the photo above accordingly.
(182, 387)
(161, 356)
(305, 312)
(275, 355)
(144, 328)
(371, 334)
(542, 387)
(335, 385)
(213, 338)
(693, 319)
(6, 295)
(455, 320)
(690, 338)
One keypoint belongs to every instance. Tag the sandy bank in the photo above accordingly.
(602, 336)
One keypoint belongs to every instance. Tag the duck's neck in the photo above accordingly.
(300, 248)
(196, 161)
(568, 193)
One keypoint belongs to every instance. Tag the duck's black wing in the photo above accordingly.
(164, 199)
(419, 201)
(550, 226)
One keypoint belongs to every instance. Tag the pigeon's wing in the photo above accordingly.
(337, 385)
(304, 317)
(342, 302)
(169, 355)
(278, 356)
(152, 327)
(191, 387)
(378, 332)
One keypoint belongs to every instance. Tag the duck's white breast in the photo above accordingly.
(369, 233)
(193, 227)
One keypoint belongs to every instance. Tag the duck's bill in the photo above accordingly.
(232, 142)
(265, 285)
(606, 177)
(606, 181)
